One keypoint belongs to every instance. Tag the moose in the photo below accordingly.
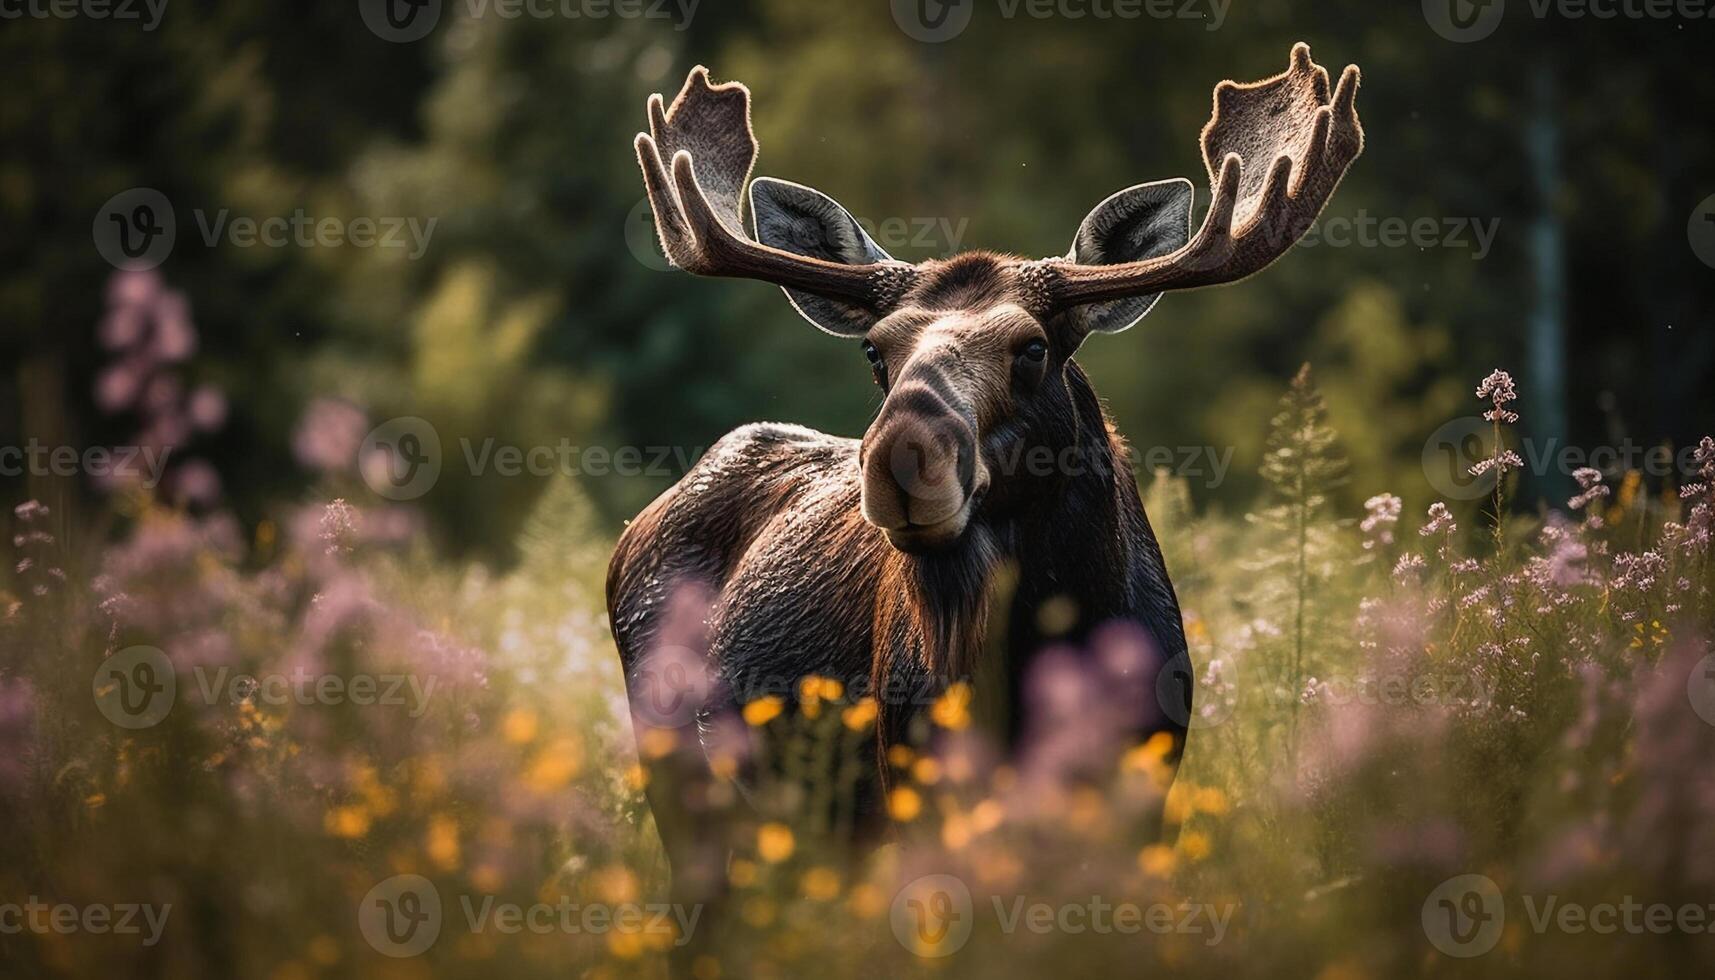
(870, 560)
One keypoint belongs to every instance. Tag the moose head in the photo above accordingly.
(971, 352)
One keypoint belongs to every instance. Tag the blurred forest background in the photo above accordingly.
(1540, 199)
(540, 311)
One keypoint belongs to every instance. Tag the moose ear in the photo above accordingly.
(1140, 222)
(804, 221)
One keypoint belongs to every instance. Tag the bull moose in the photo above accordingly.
(869, 560)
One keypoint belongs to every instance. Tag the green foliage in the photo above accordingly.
(1302, 464)
(530, 317)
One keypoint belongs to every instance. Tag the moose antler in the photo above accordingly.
(706, 134)
(1275, 150)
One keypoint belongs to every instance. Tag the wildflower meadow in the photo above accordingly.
(1467, 738)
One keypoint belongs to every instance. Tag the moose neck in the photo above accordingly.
(1072, 543)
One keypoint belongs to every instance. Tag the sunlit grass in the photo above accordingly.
(1382, 705)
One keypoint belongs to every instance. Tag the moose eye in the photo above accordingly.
(877, 366)
(1035, 351)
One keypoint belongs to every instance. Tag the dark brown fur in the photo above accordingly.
(768, 526)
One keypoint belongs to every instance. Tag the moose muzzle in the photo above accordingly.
(922, 474)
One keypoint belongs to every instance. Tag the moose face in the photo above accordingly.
(960, 387)
(970, 352)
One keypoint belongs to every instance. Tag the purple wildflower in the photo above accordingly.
(1499, 389)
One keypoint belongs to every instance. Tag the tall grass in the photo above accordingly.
(1384, 703)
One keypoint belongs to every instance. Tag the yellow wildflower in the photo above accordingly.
(1195, 844)
(763, 710)
(1157, 860)
(519, 726)
(952, 710)
(774, 842)
(348, 822)
(1210, 800)
(904, 804)
(821, 884)
(442, 842)
(860, 716)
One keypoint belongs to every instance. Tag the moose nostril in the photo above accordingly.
(931, 461)
(919, 471)
(914, 467)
